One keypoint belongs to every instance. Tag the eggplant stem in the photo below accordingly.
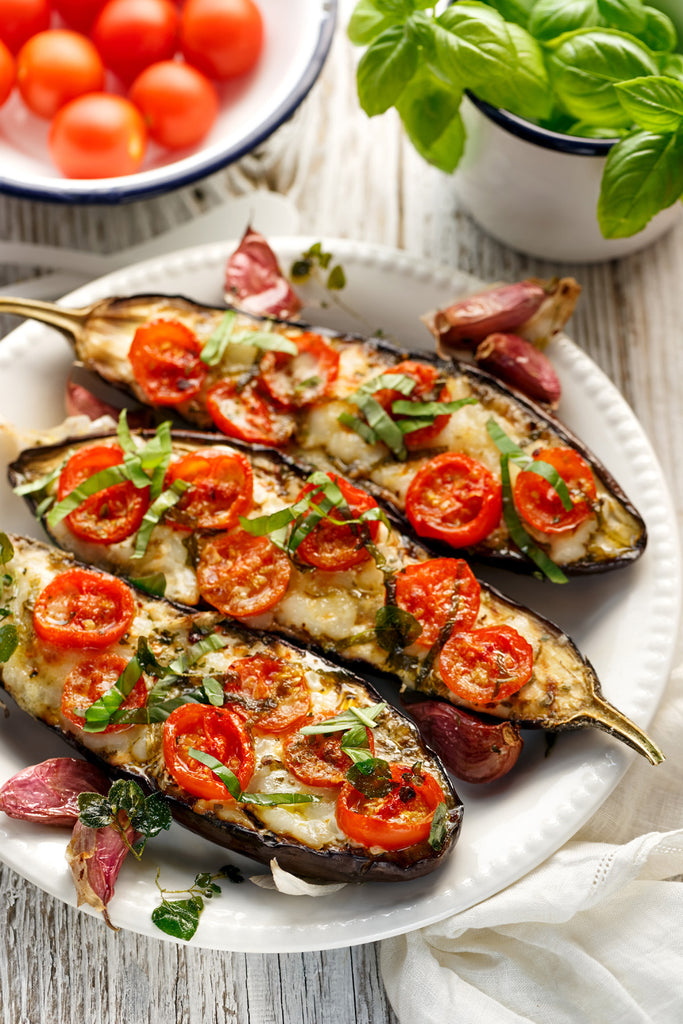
(70, 322)
(606, 717)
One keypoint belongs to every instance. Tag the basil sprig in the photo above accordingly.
(232, 784)
(215, 346)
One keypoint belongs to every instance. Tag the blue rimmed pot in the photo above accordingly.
(537, 190)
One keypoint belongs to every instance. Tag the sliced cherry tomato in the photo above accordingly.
(222, 489)
(401, 819)
(454, 498)
(425, 377)
(110, 515)
(215, 731)
(243, 413)
(242, 575)
(56, 66)
(132, 34)
(272, 693)
(97, 135)
(300, 380)
(539, 503)
(89, 680)
(165, 356)
(331, 545)
(7, 72)
(486, 664)
(223, 38)
(79, 14)
(179, 103)
(21, 19)
(319, 760)
(79, 608)
(438, 591)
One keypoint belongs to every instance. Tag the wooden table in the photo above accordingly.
(354, 178)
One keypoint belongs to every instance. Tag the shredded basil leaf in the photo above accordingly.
(6, 549)
(348, 719)
(438, 830)
(156, 511)
(528, 464)
(232, 784)
(40, 484)
(224, 335)
(519, 535)
(98, 715)
(184, 662)
(154, 583)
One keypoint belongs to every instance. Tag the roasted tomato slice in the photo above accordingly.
(79, 608)
(112, 514)
(438, 591)
(454, 498)
(244, 413)
(425, 378)
(273, 693)
(215, 731)
(319, 760)
(296, 381)
(486, 664)
(242, 575)
(222, 489)
(88, 680)
(539, 503)
(403, 818)
(332, 545)
(165, 356)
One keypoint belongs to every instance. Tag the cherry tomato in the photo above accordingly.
(179, 104)
(215, 731)
(319, 760)
(331, 545)
(56, 66)
(21, 19)
(401, 819)
(222, 489)
(242, 575)
(539, 503)
(165, 356)
(89, 680)
(486, 664)
(7, 72)
(79, 14)
(110, 515)
(272, 693)
(425, 378)
(132, 34)
(300, 380)
(223, 38)
(438, 591)
(98, 135)
(245, 414)
(454, 498)
(80, 608)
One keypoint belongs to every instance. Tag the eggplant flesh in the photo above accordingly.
(612, 537)
(335, 612)
(305, 837)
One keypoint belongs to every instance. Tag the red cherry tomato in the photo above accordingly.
(332, 545)
(98, 135)
(454, 498)
(438, 591)
(21, 19)
(393, 822)
(222, 489)
(486, 664)
(300, 380)
(79, 608)
(245, 414)
(165, 356)
(56, 66)
(215, 731)
(319, 760)
(79, 14)
(179, 104)
(110, 515)
(539, 503)
(132, 34)
(7, 72)
(223, 38)
(89, 680)
(242, 575)
(425, 378)
(272, 693)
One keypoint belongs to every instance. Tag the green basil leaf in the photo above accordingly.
(382, 424)
(194, 654)
(214, 691)
(367, 22)
(525, 462)
(643, 175)
(550, 19)
(654, 102)
(155, 513)
(215, 345)
(278, 799)
(359, 426)
(372, 777)
(98, 715)
(385, 69)
(430, 410)
(518, 11)
(439, 826)
(348, 719)
(430, 111)
(227, 777)
(673, 65)
(395, 628)
(267, 341)
(94, 810)
(659, 32)
(97, 482)
(154, 583)
(6, 549)
(178, 918)
(40, 484)
(627, 15)
(519, 535)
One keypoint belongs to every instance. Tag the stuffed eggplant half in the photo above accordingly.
(315, 559)
(468, 463)
(258, 746)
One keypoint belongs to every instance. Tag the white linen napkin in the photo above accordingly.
(594, 935)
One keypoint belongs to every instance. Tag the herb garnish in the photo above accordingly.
(232, 784)
(370, 775)
(527, 463)
(439, 827)
(313, 258)
(225, 334)
(126, 806)
(180, 918)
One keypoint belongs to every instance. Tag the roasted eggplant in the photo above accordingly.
(442, 441)
(196, 686)
(363, 592)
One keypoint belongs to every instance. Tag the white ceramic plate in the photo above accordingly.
(298, 34)
(625, 622)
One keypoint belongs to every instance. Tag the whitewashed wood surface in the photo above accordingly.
(354, 178)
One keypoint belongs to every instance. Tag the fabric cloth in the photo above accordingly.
(594, 935)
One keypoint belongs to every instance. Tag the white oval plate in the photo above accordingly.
(298, 34)
(625, 622)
